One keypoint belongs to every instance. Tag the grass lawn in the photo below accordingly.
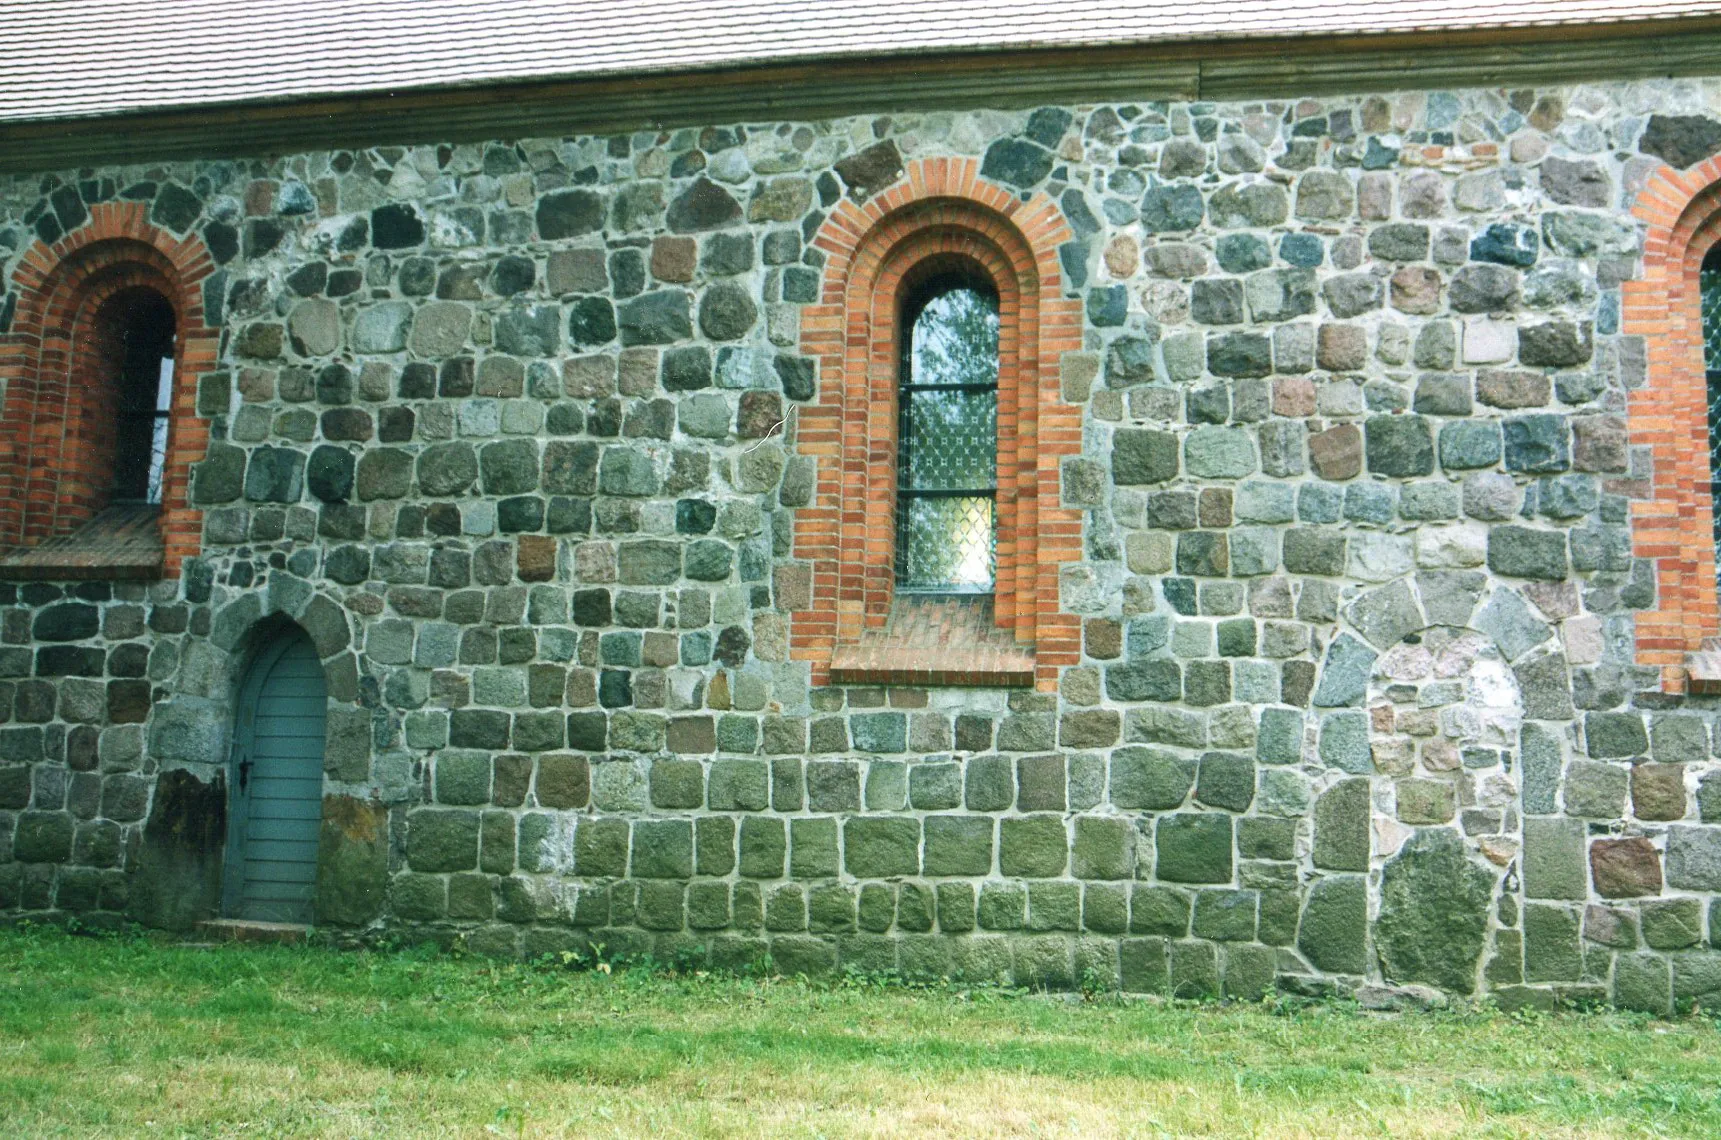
(125, 1036)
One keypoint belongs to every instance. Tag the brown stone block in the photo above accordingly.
(1625, 868)
(760, 415)
(128, 701)
(563, 781)
(1599, 443)
(793, 586)
(692, 735)
(1336, 453)
(1104, 637)
(256, 385)
(260, 197)
(1122, 256)
(513, 776)
(589, 377)
(674, 258)
(1658, 791)
(537, 558)
(1501, 389)
(1441, 755)
(1556, 600)
(577, 271)
(1296, 683)
(1416, 289)
(1293, 396)
(1610, 927)
(1215, 506)
(661, 649)
(582, 688)
(1341, 348)
(636, 371)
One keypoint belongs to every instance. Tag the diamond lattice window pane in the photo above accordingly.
(1709, 282)
(945, 544)
(949, 441)
(947, 446)
(1715, 450)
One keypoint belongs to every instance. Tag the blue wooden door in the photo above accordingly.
(277, 783)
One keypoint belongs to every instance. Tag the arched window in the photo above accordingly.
(101, 372)
(1670, 318)
(936, 542)
(947, 441)
(137, 327)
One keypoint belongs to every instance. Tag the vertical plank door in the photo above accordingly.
(279, 782)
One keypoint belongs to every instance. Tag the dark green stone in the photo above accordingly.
(1433, 913)
(1194, 847)
(1334, 928)
(1033, 847)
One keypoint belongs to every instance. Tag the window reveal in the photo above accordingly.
(1709, 279)
(947, 442)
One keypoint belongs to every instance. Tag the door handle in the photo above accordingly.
(244, 773)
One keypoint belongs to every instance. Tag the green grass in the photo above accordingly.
(125, 1036)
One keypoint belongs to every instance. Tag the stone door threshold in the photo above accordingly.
(245, 930)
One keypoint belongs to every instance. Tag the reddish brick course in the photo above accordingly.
(941, 214)
(1669, 415)
(56, 441)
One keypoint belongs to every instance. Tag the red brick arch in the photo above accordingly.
(942, 212)
(55, 439)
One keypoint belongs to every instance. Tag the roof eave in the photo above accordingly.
(1227, 67)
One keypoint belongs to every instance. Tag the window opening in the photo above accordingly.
(1709, 287)
(947, 441)
(143, 396)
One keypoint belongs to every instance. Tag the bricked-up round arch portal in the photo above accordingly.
(1673, 521)
(55, 441)
(940, 213)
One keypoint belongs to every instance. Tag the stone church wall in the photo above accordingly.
(503, 427)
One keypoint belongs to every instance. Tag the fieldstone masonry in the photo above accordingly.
(508, 429)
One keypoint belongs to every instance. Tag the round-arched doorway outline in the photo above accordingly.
(275, 780)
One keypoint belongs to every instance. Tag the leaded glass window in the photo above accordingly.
(947, 441)
(1709, 281)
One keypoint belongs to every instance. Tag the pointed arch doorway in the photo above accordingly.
(276, 783)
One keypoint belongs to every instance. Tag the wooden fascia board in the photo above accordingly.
(1222, 69)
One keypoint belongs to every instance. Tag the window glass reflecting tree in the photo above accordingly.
(947, 440)
(1709, 281)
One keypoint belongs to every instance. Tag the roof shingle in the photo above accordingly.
(63, 59)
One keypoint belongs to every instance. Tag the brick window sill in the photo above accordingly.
(122, 543)
(1703, 669)
(928, 640)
